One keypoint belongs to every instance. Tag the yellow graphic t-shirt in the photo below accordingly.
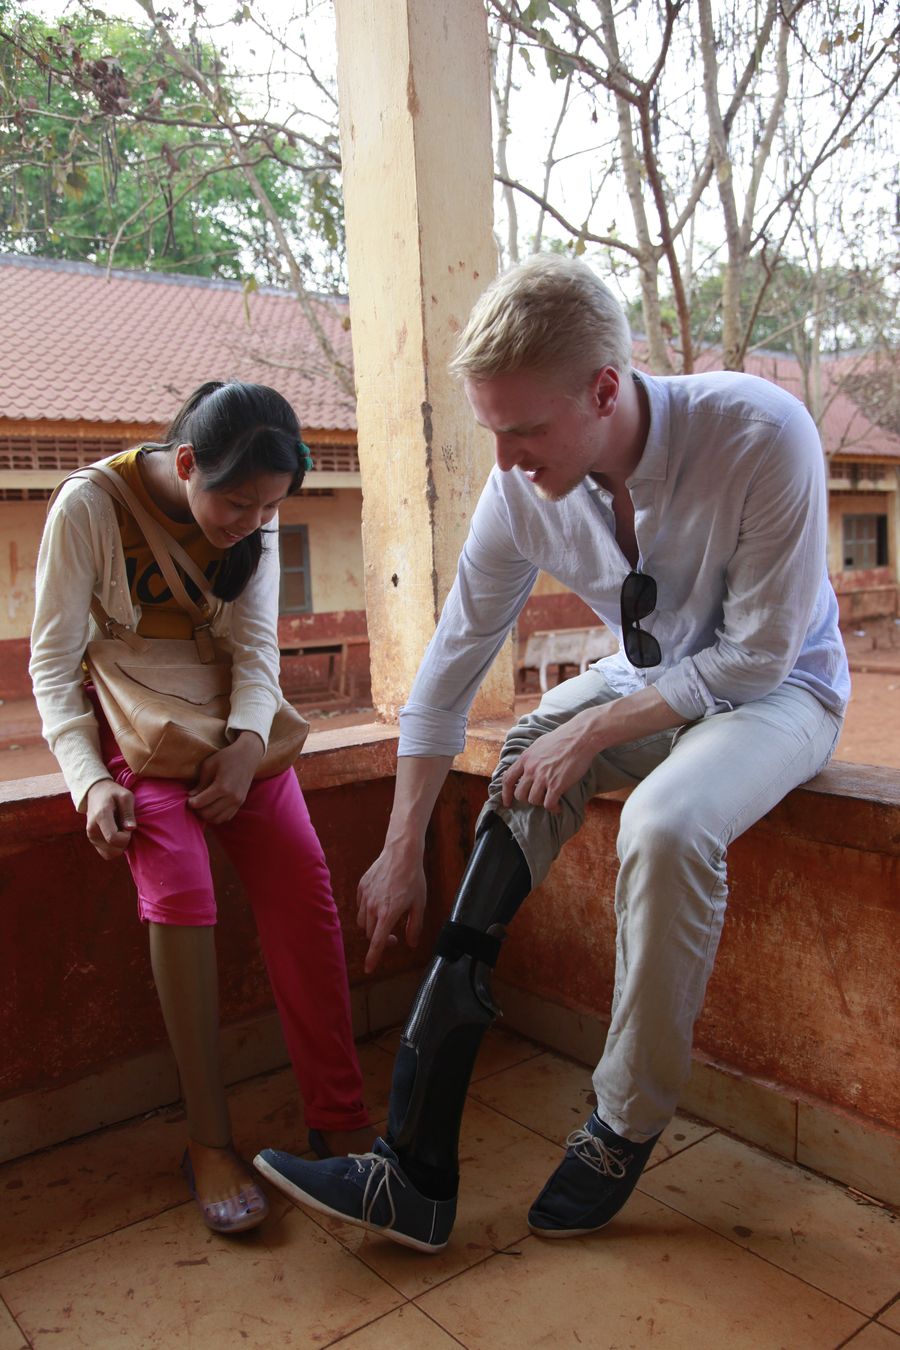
(161, 614)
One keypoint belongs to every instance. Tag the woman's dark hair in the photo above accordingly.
(237, 431)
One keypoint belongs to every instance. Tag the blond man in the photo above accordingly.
(689, 512)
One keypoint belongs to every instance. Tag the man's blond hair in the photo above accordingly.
(549, 313)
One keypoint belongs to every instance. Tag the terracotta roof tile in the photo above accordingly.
(78, 345)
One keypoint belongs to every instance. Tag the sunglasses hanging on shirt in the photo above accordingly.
(637, 602)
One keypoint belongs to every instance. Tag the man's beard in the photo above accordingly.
(556, 494)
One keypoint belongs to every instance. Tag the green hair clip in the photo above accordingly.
(305, 455)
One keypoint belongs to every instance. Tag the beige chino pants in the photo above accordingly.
(694, 791)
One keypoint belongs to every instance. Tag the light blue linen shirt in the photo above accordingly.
(730, 513)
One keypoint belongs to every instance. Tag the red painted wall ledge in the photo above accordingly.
(801, 1022)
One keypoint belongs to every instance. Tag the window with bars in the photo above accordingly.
(295, 596)
(56, 454)
(61, 453)
(335, 458)
(865, 542)
(64, 453)
(844, 471)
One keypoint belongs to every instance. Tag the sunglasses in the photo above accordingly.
(637, 601)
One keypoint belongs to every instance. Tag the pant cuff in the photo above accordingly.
(189, 909)
(620, 1125)
(335, 1120)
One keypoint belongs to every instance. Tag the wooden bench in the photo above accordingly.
(337, 649)
(562, 647)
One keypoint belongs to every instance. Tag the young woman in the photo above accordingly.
(229, 459)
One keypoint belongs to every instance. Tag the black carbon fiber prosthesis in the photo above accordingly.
(454, 1007)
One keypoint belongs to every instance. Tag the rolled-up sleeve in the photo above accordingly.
(255, 690)
(772, 582)
(492, 583)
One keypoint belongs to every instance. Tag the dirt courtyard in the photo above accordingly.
(871, 732)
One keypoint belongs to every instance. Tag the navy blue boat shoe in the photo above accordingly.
(591, 1184)
(367, 1189)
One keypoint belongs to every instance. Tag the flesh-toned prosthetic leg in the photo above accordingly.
(453, 1009)
(184, 968)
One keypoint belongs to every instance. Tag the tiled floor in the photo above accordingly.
(723, 1246)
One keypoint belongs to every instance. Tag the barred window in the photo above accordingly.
(865, 542)
(335, 458)
(296, 592)
(59, 454)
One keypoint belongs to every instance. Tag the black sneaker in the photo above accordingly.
(367, 1189)
(591, 1184)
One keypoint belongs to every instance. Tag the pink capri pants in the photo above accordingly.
(276, 853)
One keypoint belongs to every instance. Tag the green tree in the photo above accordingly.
(837, 309)
(212, 183)
(109, 152)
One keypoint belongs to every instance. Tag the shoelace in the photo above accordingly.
(592, 1151)
(381, 1173)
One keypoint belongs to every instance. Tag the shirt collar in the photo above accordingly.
(654, 462)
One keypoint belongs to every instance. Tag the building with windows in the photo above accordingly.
(96, 361)
(863, 460)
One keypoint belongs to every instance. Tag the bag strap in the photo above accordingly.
(164, 549)
(113, 628)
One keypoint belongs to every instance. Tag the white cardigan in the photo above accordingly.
(81, 555)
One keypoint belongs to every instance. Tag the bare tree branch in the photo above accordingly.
(604, 240)
(215, 97)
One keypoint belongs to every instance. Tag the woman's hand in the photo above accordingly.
(110, 817)
(224, 779)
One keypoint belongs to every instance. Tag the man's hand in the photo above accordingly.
(393, 886)
(224, 779)
(395, 883)
(552, 763)
(110, 817)
(556, 760)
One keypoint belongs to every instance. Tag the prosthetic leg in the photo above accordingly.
(184, 968)
(453, 1009)
(187, 982)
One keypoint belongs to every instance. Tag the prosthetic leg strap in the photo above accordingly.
(459, 939)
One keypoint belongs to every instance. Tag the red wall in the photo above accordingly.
(14, 681)
(804, 993)
(76, 990)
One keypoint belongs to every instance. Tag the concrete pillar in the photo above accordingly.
(413, 77)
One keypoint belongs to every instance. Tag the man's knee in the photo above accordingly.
(657, 831)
